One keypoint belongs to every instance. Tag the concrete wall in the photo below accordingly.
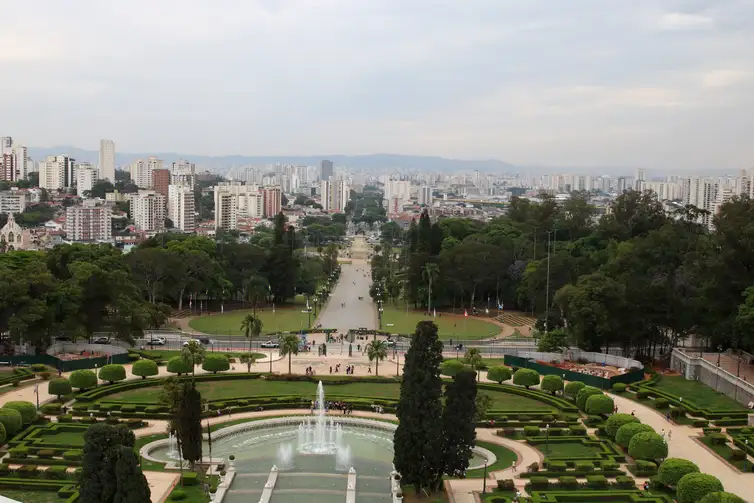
(78, 347)
(717, 378)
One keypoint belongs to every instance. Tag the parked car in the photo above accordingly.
(101, 340)
(186, 343)
(157, 341)
(270, 344)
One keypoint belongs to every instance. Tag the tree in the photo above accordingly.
(112, 373)
(553, 341)
(551, 383)
(215, 363)
(417, 454)
(584, 394)
(12, 421)
(251, 326)
(473, 358)
(626, 432)
(83, 379)
(27, 410)
(647, 445)
(249, 359)
(377, 351)
(59, 386)
(599, 405)
(192, 355)
(145, 368)
(188, 423)
(694, 486)
(177, 365)
(572, 388)
(459, 433)
(526, 377)
(499, 373)
(451, 368)
(289, 346)
(673, 469)
(430, 273)
(109, 472)
(3, 434)
(721, 497)
(614, 422)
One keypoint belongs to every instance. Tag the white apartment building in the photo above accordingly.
(181, 208)
(57, 172)
(249, 201)
(399, 190)
(148, 210)
(86, 178)
(425, 195)
(107, 160)
(334, 194)
(666, 191)
(89, 222)
(226, 210)
(141, 171)
(183, 172)
(702, 193)
(13, 201)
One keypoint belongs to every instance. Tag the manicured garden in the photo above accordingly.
(696, 393)
(289, 319)
(458, 328)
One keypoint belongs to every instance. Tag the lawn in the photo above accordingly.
(696, 393)
(567, 449)
(284, 320)
(458, 328)
(505, 458)
(217, 390)
(64, 438)
(169, 354)
(32, 497)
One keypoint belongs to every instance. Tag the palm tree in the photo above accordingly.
(289, 346)
(257, 288)
(192, 354)
(251, 326)
(473, 357)
(376, 351)
(430, 273)
(249, 359)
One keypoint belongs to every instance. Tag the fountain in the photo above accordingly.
(285, 457)
(320, 435)
(173, 451)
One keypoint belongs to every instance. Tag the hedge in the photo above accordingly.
(214, 362)
(27, 410)
(450, 368)
(721, 497)
(552, 383)
(599, 404)
(572, 388)
(18, 375)
(673, 469)
(112, 373)
(499, 373)
(59, 386)
(12, 420)
(627, 431)
(145, 368)
(584, 393)
(83, 379)
(692, 487)
(526, 377)
(647, 445)
(176, 365)
(615, 421)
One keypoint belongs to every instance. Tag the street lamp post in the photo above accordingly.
(484, 484)
(36, 392)
(719, 353)
(547, 438)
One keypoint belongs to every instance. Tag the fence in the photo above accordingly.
(696, 367)
(527, 359)
(116, 354)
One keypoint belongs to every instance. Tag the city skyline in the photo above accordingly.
(661, 85)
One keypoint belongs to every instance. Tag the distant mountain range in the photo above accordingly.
(222, 164)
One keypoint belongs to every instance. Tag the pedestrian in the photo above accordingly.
(633, 412)
(370, 370)
(663, 434)
(331, 369)
(667, 416)
(513, 466)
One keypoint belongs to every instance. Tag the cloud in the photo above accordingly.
(685, 21)
(724, 78)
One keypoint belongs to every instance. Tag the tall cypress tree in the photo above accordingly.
(459, 434)
(132, 485)
(189, 424)
(418, 451)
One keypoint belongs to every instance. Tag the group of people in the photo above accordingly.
(309, 371)
(349, 369)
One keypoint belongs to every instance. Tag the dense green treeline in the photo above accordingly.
(636, 277)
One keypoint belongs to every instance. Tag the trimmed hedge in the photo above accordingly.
(450, 368)
(12, 420)
(614, 422)
(526, 377)
(626, 432)
(552, 383)
(599, 404)
(673, 469)
(112, 373)
(27, 410)
(572, 388)
(721, 497)
(584, 394)
(692, 487)
(647, 445)
(176, 365)
(214, 362)
(499, 373)
(59, 386)
(83, 379)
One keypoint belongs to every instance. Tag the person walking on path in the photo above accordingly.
(513, 466)
(670, 435)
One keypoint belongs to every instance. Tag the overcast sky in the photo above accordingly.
(654, 83)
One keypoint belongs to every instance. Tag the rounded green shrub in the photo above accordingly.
(619, 387)
(145, 368)
(694, 486)
(216, 363)
(499, 373)
(3, 434)
(615, 421)
(12, 421)
(647, 445)
(572, 388)
(526, 377)
(83, 379)
(584, 393)
(178, 495)
(661, 403)
(552, 383)
(112, 373)
(176, 365)
(627, 431)
(599, 404)
(721, 497)
(673, 469)
(27, 410)
(59, 386)
(451, 368)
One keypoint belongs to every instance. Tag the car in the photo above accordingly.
(186, 343)
(206, 341)
(390, 342)
(270, 344)
(101, 340)
(157, 341)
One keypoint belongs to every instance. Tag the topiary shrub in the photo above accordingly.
(672, 469)
(145, 368)
(112, 373)
(190, 479)
(83, 379)
(572, 388)
(584, 394)
(627, 431)
(599, 404)
(178, 495)
(3, 434)
(624, 481)
(12, 421)
(38, 367)
(27, 410)
(526, 377)
(721, 497)
(647, 445)
(661, 403)
(551, 383)
(615, 421)
(216, 363)
(176, 365)
(59, 386)
(499, 373)
(619, 387)
(694, 486)
(531, 431)
(451, 368)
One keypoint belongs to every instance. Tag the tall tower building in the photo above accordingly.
(425, 195)
(57, 172)
(271, 200)
(161, 181)
(326, 170)
(181, 208)
(107, 160)
(88, 222)
(86, 178)
(148, 210)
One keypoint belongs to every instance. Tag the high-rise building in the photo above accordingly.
(702, 193)
(13, 201)
(271, 201)
(86, 178)
(326, 170)
(226, 210)
(425, 195)
(8, 170)
(161, 181)
(141, 171)
(248, 200)
(334, 195)
(148, 210)
(107, 160)
(88, 222)
(183, 173)
(181, 208)
(57, 172)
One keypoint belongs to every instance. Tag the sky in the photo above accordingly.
(663, 84)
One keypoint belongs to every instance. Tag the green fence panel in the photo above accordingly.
(568, 375)
(629, 377)
(65, 365)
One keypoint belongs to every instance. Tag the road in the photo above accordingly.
(353, 283)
